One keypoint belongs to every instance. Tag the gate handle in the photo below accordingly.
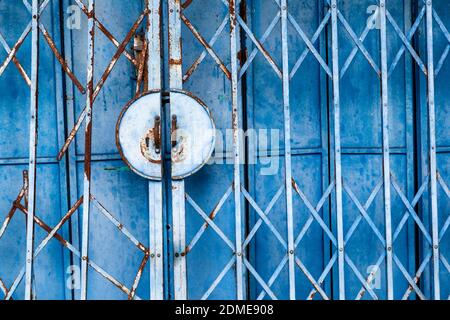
(157, 135)
(174, 129)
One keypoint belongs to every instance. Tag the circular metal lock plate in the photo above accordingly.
(138, 135)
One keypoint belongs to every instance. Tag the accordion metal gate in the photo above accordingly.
(330, 174)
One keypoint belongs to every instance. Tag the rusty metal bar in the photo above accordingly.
(44, 242)
(141, 72)
(106, 32)
(72, 249)
(432, 150)
(88, 150)
(178, 187)
(100, 84)
(236, 150)
(55, 51)
(202, 56)
(33, 147)
(337, 148)
(137, 279)
(118, 225)
(61, 60)
(20, 41)
(11, 212)
(386, 150)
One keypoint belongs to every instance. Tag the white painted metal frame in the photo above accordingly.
(178, 187)
(156, 220)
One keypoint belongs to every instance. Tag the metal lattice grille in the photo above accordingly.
(235, 47)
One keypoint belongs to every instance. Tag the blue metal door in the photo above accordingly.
(330, 174)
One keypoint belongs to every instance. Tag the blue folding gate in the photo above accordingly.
(331, 169)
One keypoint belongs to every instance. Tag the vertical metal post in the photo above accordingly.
(71, 151)
(410, 144)
(287, 146)
(64, 164)
(88, 150)
(337, 148)
(178, 192)
(155, 187)
(432, 141)
(386, 150)
(236, 150)
(33, 148)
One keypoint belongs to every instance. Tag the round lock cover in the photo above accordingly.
(139, 137)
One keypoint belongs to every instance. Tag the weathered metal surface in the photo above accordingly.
(177, 188)
(158, 282)
(31, 191)
(357, 208)
(88, 150)
(139, 135)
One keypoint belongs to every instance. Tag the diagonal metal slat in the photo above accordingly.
(219, 278)
(314, 38)
(203, 55)
(101, 83)
(447, 36)
(57, 54)
(210, 222)
(411, 34)
(106, 32)
(256, 50)
(406, 43)
(15, 60)
(358, 43)
(206, 45)
(258, 224)
(264, 217)
(212, 216)
(20, 41)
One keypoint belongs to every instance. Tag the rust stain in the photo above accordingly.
(61, 60)
(138, 277)
(186, 4)
(45, 227)
(176, 62)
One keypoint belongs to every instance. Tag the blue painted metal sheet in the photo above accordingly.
(208, 187)
(126, 197)
(50, 265)
(350, 82)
